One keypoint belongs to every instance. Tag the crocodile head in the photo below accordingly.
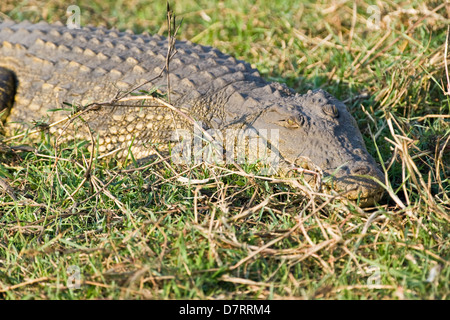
(316, 130)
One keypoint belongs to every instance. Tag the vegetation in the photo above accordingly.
(142, 232)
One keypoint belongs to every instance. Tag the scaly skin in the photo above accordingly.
(43, 65)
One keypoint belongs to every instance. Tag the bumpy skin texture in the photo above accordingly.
(43, 65)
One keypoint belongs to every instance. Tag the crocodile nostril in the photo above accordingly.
(360, 170)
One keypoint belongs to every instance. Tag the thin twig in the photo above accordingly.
(445, 64)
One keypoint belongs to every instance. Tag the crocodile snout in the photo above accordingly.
(357, 182)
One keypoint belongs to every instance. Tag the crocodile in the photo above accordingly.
(45, 65)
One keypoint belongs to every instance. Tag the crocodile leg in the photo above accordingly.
(8, 84)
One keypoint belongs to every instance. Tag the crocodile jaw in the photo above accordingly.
(357, 188)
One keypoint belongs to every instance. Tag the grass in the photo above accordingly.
(142, 233)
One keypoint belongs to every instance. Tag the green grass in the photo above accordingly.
(141, 233)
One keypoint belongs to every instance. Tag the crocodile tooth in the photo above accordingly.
(58, 24)
(113, 34)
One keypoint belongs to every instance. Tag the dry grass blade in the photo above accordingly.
(445, 62)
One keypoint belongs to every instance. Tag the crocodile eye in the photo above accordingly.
(330, 110)
(294, 121)
(300, 120)
(291, 123)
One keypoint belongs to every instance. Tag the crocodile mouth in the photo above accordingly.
(356, 182)
(360, 189)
